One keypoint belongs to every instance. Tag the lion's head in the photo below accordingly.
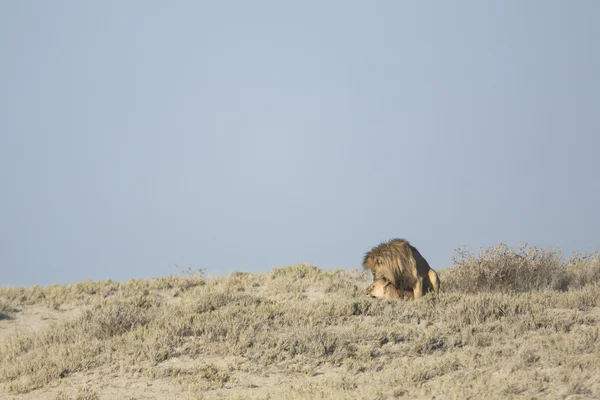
(383, 289)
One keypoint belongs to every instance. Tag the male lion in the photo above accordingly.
(383, 289)
(401, 264)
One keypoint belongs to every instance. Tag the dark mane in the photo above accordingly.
(401, 264)
(384, 248)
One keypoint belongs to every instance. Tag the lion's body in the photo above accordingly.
(383, 289)
(403, 266)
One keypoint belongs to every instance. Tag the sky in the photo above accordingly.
(139, 136)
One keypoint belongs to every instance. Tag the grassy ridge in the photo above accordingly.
(508, 323)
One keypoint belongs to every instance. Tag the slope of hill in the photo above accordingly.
(507, 324)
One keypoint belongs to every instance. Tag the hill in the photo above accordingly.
(507, 324)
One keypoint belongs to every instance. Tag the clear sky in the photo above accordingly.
(237, 135)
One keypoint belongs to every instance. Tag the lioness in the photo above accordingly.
(383, 289)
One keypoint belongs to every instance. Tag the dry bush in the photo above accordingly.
(6, 310)
(210, 301)
(83, 393)
(583, 269)
(299, 272)
(210, 376)
(504, 269)
(103, 322)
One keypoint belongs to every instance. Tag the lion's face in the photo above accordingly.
(380, 288)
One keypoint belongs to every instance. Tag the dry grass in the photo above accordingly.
(508, 324)
(504, 269)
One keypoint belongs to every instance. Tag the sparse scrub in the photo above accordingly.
(583, 269)
(304, 332)
(5, 310)
(211, 375)
(299, 272)
(89, 292)
(503, 269)
(104, 322)
(86, 393)
(83, 393)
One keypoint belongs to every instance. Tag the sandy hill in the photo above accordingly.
(507, 324)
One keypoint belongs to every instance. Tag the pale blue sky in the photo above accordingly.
(237, 135)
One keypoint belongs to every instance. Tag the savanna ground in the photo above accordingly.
(508, 323)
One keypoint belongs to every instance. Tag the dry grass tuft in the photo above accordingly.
(6, 311)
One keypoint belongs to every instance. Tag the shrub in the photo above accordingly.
(583, 269)
(5, 310)
(104, 322)
(502, 268)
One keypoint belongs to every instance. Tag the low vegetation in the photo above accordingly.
(503, 269)
(508, 323)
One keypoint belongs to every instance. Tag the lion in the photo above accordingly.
(383, 289)
(401, 264)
